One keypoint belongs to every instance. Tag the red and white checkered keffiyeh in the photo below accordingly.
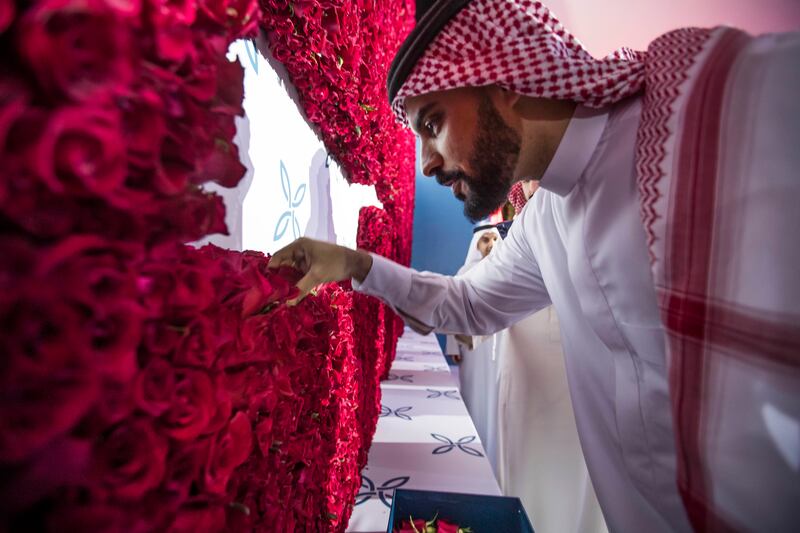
(517, 197)
(520, 46)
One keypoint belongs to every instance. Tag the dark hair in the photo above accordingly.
(431, 15)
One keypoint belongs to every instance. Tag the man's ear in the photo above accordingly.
(504, 100)
(504, 97)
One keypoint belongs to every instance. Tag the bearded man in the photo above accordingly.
(661, 233)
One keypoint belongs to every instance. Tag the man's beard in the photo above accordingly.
(494, 157)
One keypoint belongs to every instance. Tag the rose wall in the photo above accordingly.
(147, 385)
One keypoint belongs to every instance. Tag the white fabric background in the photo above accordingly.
(291, 187)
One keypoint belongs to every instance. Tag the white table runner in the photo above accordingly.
(425, 438)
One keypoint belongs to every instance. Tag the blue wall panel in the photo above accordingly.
(441, 232)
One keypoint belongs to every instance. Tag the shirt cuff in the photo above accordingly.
(386, 280)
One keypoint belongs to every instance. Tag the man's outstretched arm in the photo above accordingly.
(501, 290)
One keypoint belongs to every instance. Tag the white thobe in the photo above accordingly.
(580, 245)
(540, 456)
(514, 385)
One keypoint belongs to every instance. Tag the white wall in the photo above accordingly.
(291, 188)
(604, 26)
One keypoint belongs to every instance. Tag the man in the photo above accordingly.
(481, 245)
(486, 242)
(477, 371)
(663, 233)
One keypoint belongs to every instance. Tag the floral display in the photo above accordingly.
(145, 384)
(434, 525)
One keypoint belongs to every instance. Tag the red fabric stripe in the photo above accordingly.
(736, 331)
(689, 270)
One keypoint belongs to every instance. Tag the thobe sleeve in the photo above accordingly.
(499, 291)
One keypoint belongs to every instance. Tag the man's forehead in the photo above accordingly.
(414, 104)
(418, 105)
(446, 95)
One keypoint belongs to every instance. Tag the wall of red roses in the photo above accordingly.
(146, 385)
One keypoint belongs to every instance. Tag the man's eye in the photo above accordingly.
(431, 126)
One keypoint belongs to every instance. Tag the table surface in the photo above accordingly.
(425, 438)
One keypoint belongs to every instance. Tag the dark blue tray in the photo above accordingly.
(484, 514)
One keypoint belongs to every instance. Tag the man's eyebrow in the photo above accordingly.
(421, 116)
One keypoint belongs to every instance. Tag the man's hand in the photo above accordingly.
(321, 262)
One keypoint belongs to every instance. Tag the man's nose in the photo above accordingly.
(431, 161)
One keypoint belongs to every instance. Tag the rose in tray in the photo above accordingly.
(435, 525)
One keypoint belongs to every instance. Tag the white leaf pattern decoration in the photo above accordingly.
(282, 225)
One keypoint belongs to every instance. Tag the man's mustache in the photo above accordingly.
(448, 178)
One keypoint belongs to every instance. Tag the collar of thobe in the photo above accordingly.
(575, 150)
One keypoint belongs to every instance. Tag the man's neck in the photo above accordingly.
(543, 123)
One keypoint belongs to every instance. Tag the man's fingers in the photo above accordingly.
(306, 283)
(294, 255)
(282, 257)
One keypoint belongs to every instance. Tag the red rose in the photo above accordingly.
(226, 12)
(176, 163)
(117, 402)
(185, 466)
(199, 519)
(173, 11)
(18, 258)
(131, 460)
(222, 165)
(42, 213)
(193, 290)
(80, 151)
(144, 126)
(80, 48)
(62, 463)
(34, 409)
(93, 269)
(198, 346)
(193, 405)
(223, 404)
(239, 16)
(94, 278)
(200, 76)
(190, 216)
(267, 286)
(48, 381)
(155, 386)
(41, 331)
(6, 14)
(113, 332)
(171, 21)
(13, 104)
(130, 8)
(330, 23)
(407, 526)
(173, 42)
(228, 450)
(91, 516)
(160, 338)
(230, 87)
(446, 527)
(264, 435)
(171, 287)
(38, 404)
